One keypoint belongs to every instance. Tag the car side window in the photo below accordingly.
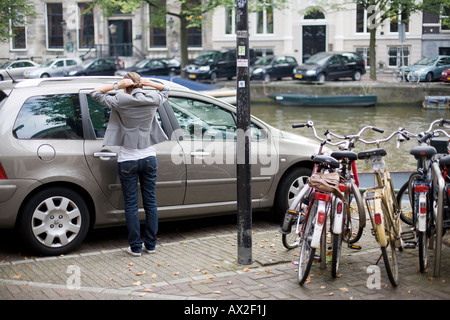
(99, 115)
(201, 120)
(49, 117)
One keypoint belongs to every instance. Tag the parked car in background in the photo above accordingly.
(52, 68)
(94, 67)
(331, 66)
(57, 179)
(213, 64)
(445, 75)
(15, 69)
(429, 68)
(154, 67)
(272, 67)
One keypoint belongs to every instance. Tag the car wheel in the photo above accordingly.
(213, 77)
(267, 77)
(356, 76)
(54, 221)
(429, 77)
(288, 188)
(45, 75)
(321, 78)
(1, 77)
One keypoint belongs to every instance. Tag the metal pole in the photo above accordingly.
(243, 166)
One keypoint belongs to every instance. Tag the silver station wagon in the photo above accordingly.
(58, 180)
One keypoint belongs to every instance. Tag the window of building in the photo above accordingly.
(55, 38)
(361, 19)
(157, 32)
(364, 52)
(402, 17)
(264, 17)
(445, 18)
(19, 39)
(86, 38)
(395, 56)
(230, 20)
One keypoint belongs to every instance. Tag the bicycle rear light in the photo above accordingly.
(321, 217)
(421, 188)
(377, 218)
(321, 196)
(3, 175)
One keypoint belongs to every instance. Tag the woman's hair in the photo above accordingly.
(136, 78)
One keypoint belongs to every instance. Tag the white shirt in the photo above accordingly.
(135, 154)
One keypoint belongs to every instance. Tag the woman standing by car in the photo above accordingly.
(133, 127)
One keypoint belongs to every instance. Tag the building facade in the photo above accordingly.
(65, 28)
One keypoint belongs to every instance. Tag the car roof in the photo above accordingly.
(87, 81)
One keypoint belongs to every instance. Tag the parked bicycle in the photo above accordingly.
(319, 200)
(382, 206)
(418, 196)
(401, 75)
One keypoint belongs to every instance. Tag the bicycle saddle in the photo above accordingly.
(372, 152)
(421, 151)
(445, 161)
(339, 155)
(332, 162)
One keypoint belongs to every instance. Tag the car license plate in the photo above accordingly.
(192, 76)
(298, 76)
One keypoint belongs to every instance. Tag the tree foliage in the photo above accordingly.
(14, 13)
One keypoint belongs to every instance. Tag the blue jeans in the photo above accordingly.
(144, 171)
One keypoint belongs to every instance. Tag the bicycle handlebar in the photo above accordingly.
(400, 133)
(326, 140)
(429, 133)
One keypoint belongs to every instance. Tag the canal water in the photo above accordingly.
(350, 120)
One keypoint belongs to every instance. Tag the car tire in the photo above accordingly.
(45, 75)
(321, 78)
(213, 77)
(1, 77)
(356, 76)
(54, 221)
(429, 77)
(288, 188)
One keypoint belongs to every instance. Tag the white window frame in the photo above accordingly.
(11, 42)
(264, 18)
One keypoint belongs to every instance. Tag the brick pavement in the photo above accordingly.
(205, 268)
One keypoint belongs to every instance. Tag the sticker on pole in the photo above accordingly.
(242, 62)
(241, 84)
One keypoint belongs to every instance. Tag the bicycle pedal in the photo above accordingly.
(354, 247)
(408, 235)
(409, 245)
(316, 258)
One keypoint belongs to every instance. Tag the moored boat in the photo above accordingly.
(348, 100)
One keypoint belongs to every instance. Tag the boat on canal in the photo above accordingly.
(347, 100)
(436, 102)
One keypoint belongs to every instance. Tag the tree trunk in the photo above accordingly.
(183, 45)
(372, 54)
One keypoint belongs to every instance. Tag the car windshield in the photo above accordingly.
(86, 63)
(206, 57)
(319, 59)
(426, 61)
(263, 61)
(141, 64)
(6, 64)
(48, 63)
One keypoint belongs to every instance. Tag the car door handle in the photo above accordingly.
(105, 155)
(200, 153)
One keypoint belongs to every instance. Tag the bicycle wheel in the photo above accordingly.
(291, 240)
(336, 255)
(413, 78)
(389, 253)
(353, 227)
(397, 76)
(307, 253)
(405, 199)
(423, 250)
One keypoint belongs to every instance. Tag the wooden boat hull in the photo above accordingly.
(325, 100)
(436, 102)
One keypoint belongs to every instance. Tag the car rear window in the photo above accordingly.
(49, 117)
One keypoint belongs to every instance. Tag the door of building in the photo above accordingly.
(313, 40)
(120, 38)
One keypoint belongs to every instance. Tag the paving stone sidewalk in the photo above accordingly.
(206, 268)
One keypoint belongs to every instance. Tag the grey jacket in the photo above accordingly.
(133, 122)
